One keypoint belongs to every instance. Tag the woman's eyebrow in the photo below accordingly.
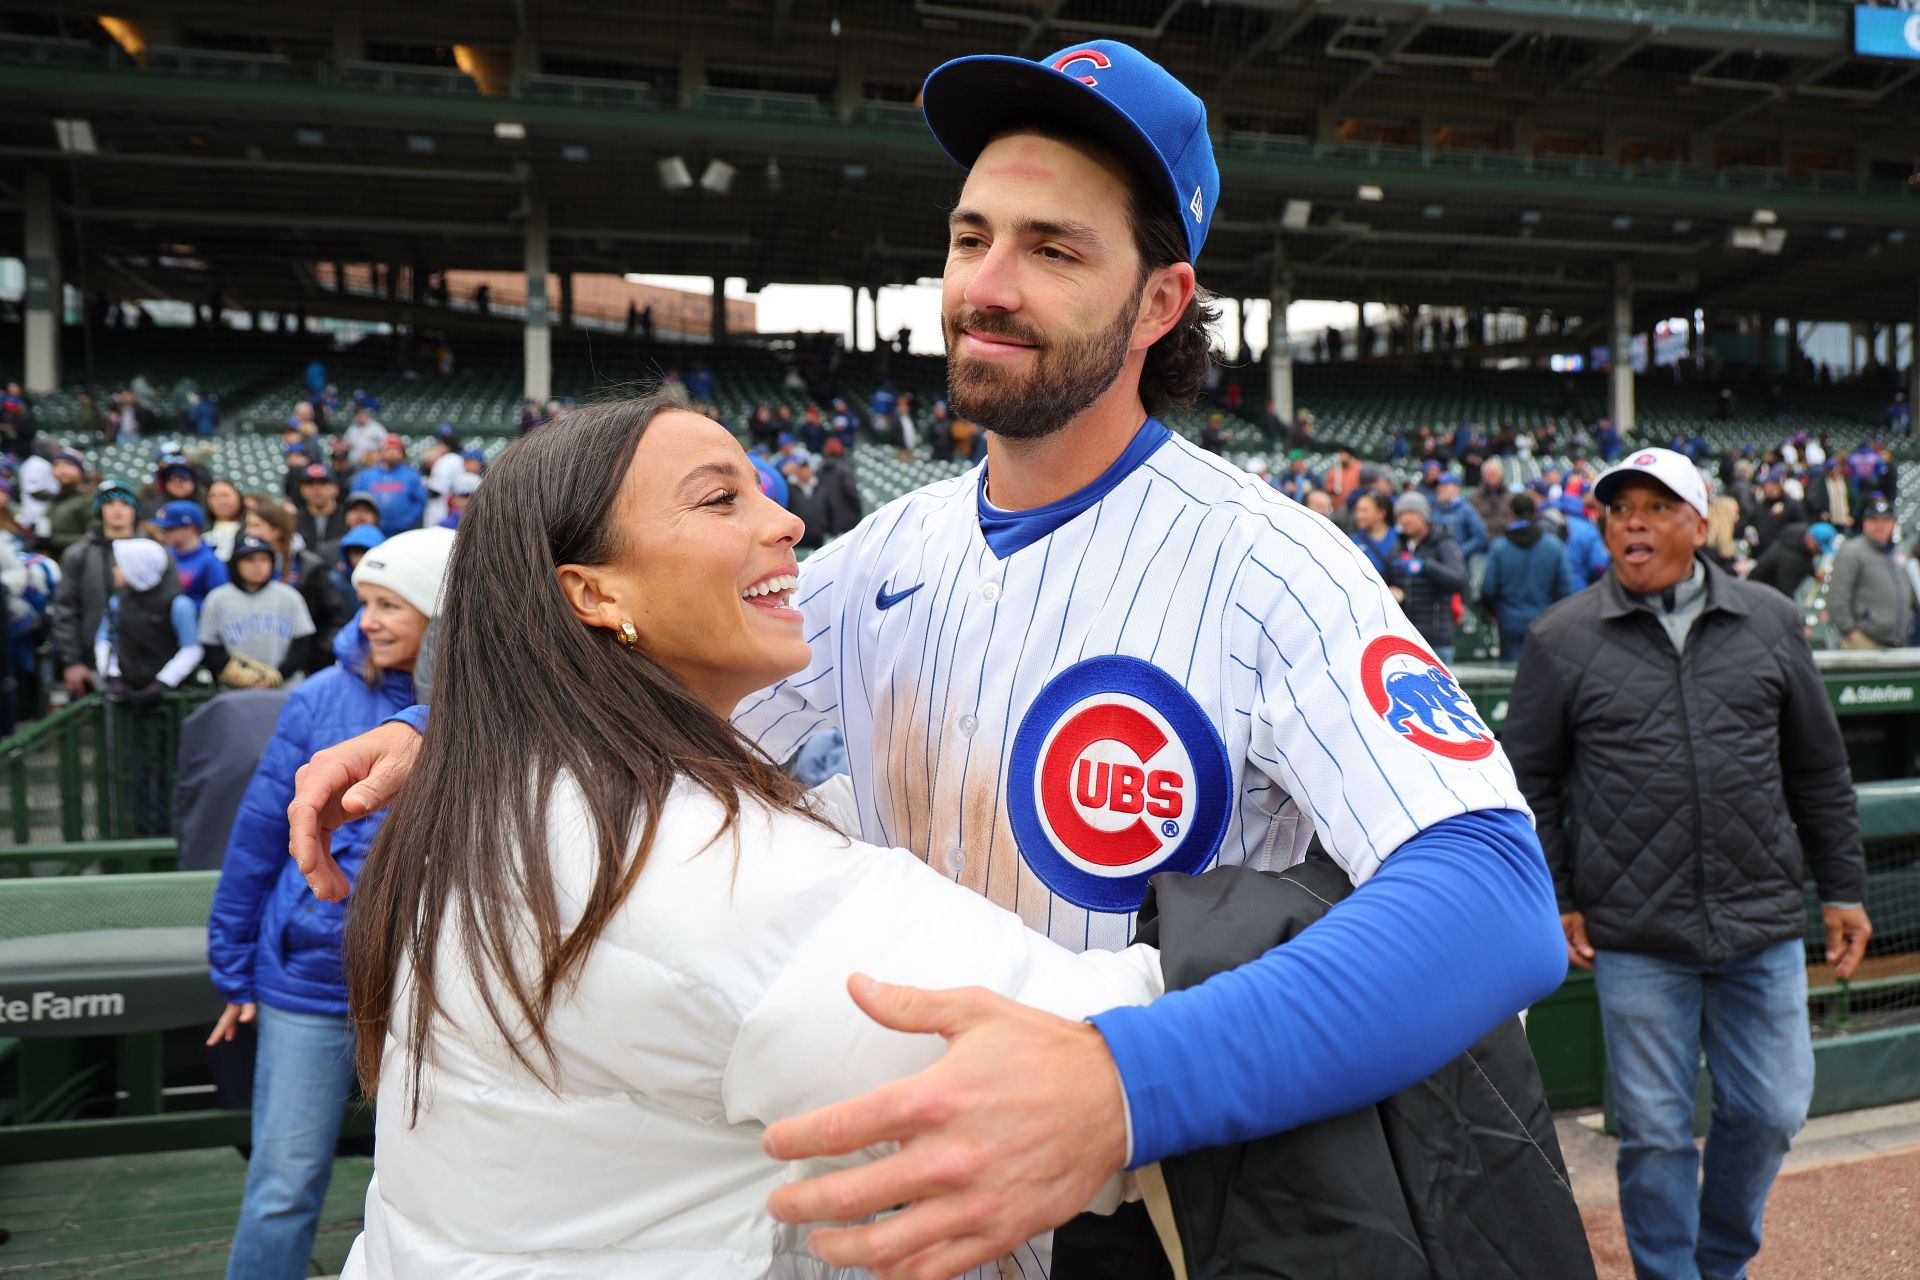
(709, 470)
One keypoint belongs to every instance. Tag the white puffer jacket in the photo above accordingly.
(714, 1004)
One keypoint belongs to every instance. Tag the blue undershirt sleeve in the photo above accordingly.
(1456, 931)
(415, 718)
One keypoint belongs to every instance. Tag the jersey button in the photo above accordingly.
(967, 726)
(990, 591)
(956, 862)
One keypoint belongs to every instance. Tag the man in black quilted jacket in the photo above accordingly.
(1685, 770)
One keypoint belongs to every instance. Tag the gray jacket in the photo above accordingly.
(86, 584)
(1681, 797)
(1867, 592)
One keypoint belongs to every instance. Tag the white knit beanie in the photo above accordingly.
(412, 565)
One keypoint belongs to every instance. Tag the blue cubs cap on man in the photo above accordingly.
(180, 515)
(1110, 90)
(1824, 535)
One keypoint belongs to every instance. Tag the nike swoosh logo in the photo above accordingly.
(884, 599)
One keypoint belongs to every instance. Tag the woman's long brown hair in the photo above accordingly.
(524, 692)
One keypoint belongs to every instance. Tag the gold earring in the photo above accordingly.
(628, 637)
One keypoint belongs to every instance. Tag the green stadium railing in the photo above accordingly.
(99, 768)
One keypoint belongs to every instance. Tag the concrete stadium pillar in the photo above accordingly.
(537, 360)
(1913, 353)
(1279, 344)
(718, 301)
(44, 296)
(1620, 348)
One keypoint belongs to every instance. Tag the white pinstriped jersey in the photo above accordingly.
(1192, 668)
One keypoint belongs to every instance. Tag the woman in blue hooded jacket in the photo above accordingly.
(274, 950)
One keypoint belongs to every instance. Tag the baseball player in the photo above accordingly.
(1107, 654)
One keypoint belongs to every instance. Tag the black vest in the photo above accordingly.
(145, 638)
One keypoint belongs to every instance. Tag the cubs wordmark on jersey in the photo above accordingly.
(1173, 667)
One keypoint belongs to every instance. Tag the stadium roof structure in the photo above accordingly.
(1730, 153)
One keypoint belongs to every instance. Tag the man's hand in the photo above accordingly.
(78, 679)
(341, 784)
(1011, 1133)
(1579, 950)
(1847, 932)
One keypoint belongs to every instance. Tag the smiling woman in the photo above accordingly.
(577, 1009)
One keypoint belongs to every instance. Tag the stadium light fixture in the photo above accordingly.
(1765, 218)
(575, 152)
(1296, 215)
(1773, 240)
(509, 130)
(75, 137)
(1370, 193)
(1745, 238)
(309, 138)
(674, 175)
(718, 177)
(420, 144)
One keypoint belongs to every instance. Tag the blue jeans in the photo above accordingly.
(1750, 1015)
(302, 1078)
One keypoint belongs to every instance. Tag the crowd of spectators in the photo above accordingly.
(268, 576)
(1785, 514)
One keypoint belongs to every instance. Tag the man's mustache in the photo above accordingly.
(992, 326)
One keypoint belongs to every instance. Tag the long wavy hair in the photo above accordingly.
(524, 693)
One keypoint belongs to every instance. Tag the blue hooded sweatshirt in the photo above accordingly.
(268, 938)
(201, 570)
(399, 490)
(1586, 548)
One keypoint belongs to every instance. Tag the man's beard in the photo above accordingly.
(1066, 377)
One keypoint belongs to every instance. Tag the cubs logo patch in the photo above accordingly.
(1116, 774)
(1644, 460)
(1088, 57)
(1418, 698)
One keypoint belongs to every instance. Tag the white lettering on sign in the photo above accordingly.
(46, 1006)
(1875, 694)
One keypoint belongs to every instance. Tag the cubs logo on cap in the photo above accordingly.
(1116, 774)
(1418, 698)
(1104, 87)
(1674, 471)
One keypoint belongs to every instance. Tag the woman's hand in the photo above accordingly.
(339, 785)
(235, 1015)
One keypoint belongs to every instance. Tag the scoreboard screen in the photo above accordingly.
(1886, 33)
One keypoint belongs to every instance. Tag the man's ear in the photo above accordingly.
(585, 588)
(1163, 302)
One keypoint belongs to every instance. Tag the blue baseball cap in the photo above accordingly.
(180, 515)
(1824, 535)
(1104, 87)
